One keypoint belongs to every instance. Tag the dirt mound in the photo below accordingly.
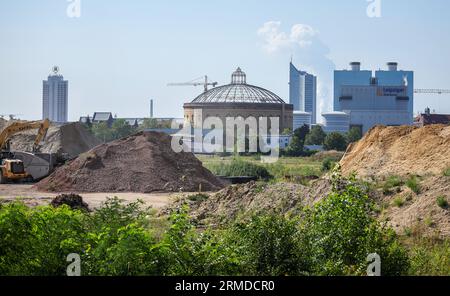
(144, 162)
(74, 201)
(70, 139)
(333, 154)
(400, 151)
(252, 198)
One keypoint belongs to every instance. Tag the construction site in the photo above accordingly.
(65, 159)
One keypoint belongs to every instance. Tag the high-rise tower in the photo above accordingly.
(303, 92)
(55, 97)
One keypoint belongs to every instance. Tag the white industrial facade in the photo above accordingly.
(55, 98)
(384, 99)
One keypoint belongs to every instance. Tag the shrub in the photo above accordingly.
(399, 202)
(391, 182)
(37, 241)
(442, 202)
(413, 184)
(327, 164)
(199, 197)
(343, 232)
(335, 141)
(188, 252)
(270, 246)
(239, 167)
(447, 172)
(430, 259)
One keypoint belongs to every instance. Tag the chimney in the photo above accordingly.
(392, 66)
(151, 108)
(356, 66)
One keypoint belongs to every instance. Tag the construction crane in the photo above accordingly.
(195, 82)
(432, 91)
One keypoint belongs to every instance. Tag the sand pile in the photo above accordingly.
(144, 162)
(400, 151)
(244, 200)
(71, 139)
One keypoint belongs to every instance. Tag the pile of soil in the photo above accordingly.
(69, 139)
(244, 200)
(74, 201)
(144, 163)
(404, 150)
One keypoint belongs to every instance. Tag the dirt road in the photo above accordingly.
(32, 197)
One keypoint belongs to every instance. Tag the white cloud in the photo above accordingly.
(309, 54)
(275, 40)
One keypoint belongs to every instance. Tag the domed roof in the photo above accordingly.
(238, 92)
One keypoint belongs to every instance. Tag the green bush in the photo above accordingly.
(413, 184)
(430, 259)
(447, 172)
(390, 183)
(442, 202)
(332, 238)
(327, 164)
(399, 202)
(335, 141)
(239, 167)
(270, 246)
(343, 232)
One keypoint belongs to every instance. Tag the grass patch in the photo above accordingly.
(199, 197)
(390, 183)
(413, 184)
(442, 202)
(286, 168)
(399, 202)
(447, 172)
(430, 258)
(238, 167)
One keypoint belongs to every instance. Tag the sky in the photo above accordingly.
(117, 54)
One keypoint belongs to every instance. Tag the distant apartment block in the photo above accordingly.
(55, 97)
(303, 92)
(384, 99)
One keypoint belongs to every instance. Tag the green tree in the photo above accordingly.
(335, 141)
(121, 129)
(102, 131)
(342, 233)
(354, 135)
(149, 123)
(316, 136)
(297, 144)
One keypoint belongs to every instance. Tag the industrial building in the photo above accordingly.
(336, 122)
(303, 92)
(384, 99)
(55, 97)
(301, 118)
(238, 99)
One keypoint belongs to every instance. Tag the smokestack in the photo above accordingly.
(151, 108)
(392, 66)
(356, 66)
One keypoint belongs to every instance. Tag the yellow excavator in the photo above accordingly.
(13, 169)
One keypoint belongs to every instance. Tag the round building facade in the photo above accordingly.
(238, 100)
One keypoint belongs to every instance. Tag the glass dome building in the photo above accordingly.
(238, 99)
